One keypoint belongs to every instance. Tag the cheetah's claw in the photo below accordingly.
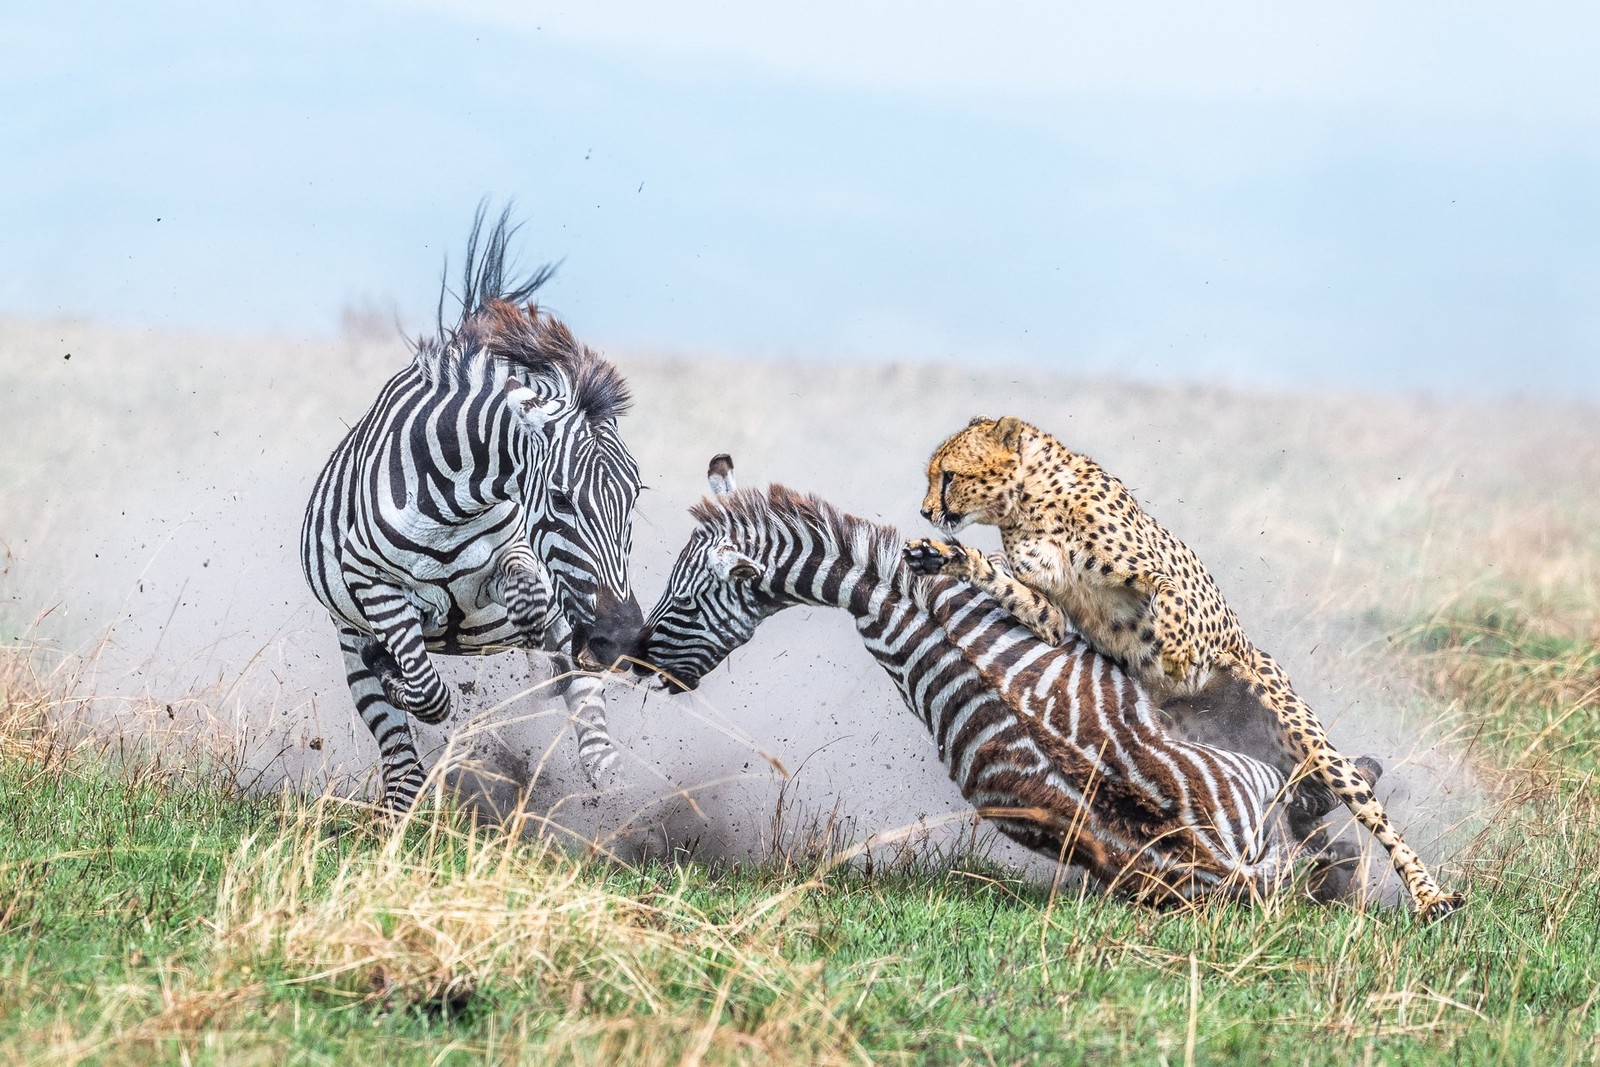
(1440, 906)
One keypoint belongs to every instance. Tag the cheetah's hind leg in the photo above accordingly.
(1301, 734)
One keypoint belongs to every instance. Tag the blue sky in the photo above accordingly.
(1364, 197)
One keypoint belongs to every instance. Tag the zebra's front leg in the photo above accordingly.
(398, 761)
(522, 586)
(584, 693)
(398, 659)
(585, 697)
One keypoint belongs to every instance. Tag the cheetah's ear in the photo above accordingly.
(978, 420)
(1008, 432)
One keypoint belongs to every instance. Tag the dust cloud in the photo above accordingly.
(151, 496)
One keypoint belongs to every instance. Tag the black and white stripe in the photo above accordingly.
(484, 502)
(1059, 747)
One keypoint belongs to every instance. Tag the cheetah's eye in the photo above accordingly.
(944, 482)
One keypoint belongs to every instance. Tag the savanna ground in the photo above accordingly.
(158, 914)
(154, 906)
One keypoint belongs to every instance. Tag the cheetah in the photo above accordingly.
(1083, 555)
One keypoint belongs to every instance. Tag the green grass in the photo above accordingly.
(1531, 690)
(145, 918)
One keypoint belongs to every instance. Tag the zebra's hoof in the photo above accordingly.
(601, 773)
(1370, 769)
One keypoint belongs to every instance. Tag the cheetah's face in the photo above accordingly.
(971, 478)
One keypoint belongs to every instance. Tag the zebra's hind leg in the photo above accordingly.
(1310, 800)
(398, 761)
(1335, 872)
(401, 665)
(1336, 866)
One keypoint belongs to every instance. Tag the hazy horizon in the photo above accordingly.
(1362, 198)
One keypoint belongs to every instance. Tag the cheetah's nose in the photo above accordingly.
(927, 513)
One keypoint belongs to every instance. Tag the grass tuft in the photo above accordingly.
(440, 916)
(152, 915)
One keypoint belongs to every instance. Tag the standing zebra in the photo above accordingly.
(484, 502)
(1055, 744)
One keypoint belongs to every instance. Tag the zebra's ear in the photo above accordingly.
(720, 475)
(533, 413)
(731, 565)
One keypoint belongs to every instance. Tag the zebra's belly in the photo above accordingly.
(450, 585)
(473, 633)
(474, 621)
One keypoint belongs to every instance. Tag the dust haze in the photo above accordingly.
(153, 485)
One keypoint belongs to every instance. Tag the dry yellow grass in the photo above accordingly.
(26, 731)
(440, 912)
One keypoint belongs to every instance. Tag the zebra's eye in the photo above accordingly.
(561, 499)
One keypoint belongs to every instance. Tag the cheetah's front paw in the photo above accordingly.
(1177, 662)
(927, 556)
(1436, 908)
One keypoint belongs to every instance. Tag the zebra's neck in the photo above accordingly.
(813, 553)
(919, 629)
(853, 568)
(857, 567)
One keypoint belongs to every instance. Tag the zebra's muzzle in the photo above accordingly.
(615, 633)
(658, 678)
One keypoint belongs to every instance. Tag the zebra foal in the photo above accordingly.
(484, 502)
(1056, 745)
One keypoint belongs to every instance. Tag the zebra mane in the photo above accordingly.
(484, 279)
(753, 510)
(598, 387)
(499, 319)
